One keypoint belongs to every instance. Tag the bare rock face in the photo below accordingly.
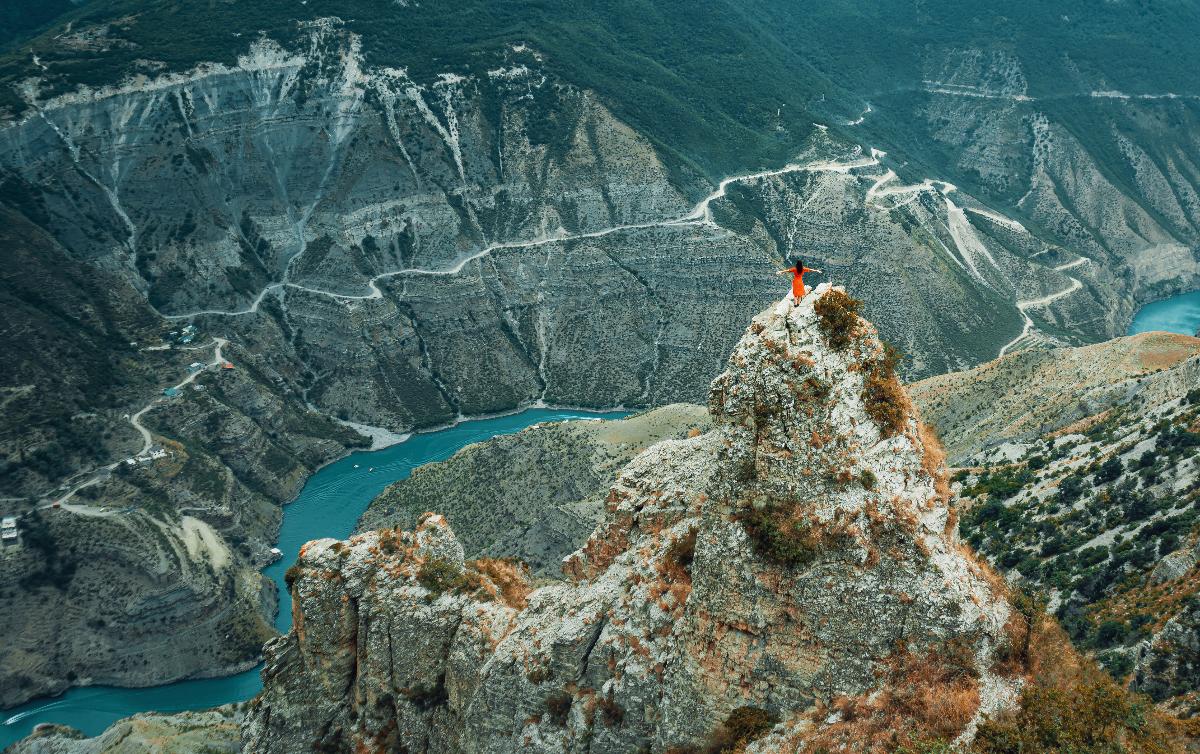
(535, 495)
(797, 554)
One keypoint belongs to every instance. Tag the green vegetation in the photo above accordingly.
(20, 17)
(779, 535)
(867, 479)
(1067, 706)
(998, 485)
(718, 88)
(1108, 602)
(927, 746)
(1096, 718)
(837, 317)
(640, 56)
(56, 566)
(291, 574)
(1110, 470)
(439, 576)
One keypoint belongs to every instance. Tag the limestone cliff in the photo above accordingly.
(158, 562)
(372, 234)
(400, 250)
(800, 552)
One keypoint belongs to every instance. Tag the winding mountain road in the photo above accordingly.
(1022, 306)
(885, 185)
(700, 214)
(97, 475)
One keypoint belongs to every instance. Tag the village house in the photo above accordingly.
(9, 534)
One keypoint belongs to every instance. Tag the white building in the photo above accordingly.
(8, 530)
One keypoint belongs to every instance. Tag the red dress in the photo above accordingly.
(798, 281)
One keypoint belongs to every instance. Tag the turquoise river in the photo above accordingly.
(1179, 314)
(328, 506)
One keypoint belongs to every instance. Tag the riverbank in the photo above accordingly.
(328, 506)
(1177, 314)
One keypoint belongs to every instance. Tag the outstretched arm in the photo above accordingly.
(808, 270)
(784, 272)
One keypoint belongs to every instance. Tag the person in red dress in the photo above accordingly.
(797, 271)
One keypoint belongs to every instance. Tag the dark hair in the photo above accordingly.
(797, 262)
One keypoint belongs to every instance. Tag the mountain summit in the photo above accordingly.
(790, 576)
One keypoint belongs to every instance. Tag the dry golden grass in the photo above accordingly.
(1070, 706)
(509, 580)
(928, 696)
(933, 460)
(1164, 350)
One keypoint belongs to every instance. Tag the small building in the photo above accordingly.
(8, 530)
(171, 392)
(226, 365)
(187, 338)
(195, 366)
(157, 451)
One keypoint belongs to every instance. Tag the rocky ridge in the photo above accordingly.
(777, 562)
(1093, 502)
(535, 495)
(1034, 393)
(1031, 428)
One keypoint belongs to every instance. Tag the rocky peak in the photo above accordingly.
(777, 578)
